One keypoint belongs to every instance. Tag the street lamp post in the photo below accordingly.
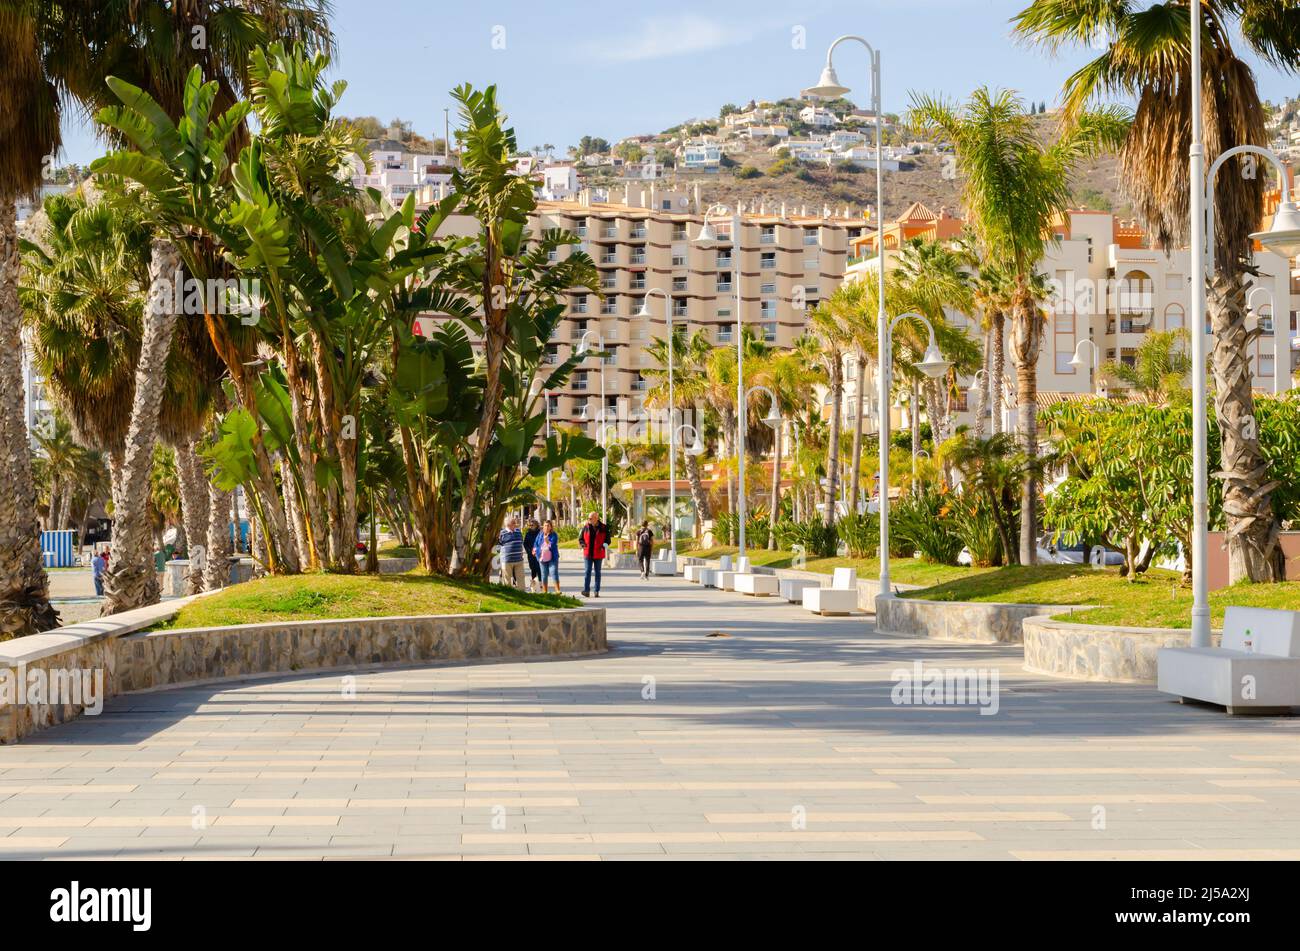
(583, 349)
(932, 365)
(829, 86)
(1281, 339)
(672, 407)
(1076, 361)
(707, 236)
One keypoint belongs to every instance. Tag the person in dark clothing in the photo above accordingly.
(593, 540)
(645, 546)
(534, 569)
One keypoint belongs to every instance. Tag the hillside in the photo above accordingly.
(749, 176)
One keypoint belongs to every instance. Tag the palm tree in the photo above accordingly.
(835, 341)
(1014, 187)
(1147, 55)
(790, 375)
(690, 387)
(1160, 367)
(54, 52)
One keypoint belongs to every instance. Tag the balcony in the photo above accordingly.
(609, 231)
(767, 237)
(639, 232)
(609, 258)
(638, 284)
(724, 287)
(638, 257)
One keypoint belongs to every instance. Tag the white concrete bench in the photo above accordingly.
(693, 572)
(840, 598)
(664, 564)
(709, 577)
(761, 586)
(792, 589)
(1256, 670)
(727, 574)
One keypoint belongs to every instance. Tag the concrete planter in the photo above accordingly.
(980, 622)
(1098, 652)
(130, 660)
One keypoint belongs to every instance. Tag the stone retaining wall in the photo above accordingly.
(130, 660)
(981, 622)
(1098, 652)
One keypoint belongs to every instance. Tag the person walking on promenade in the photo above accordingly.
(97, 566)
(530, 542)
(512, 554)
(645, 546)
(546, 549)
(593, 540)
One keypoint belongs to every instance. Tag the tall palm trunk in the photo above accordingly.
(699, 497)
(130, 580)
(982, 400)
(997, 370)
(833, 449)
(24, 586)
(194, 510)
(216, 568)
(1028, 336)
(65, 504)
(1253, 551)
(776, 489)
(855, 476)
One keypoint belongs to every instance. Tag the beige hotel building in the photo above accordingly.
(786, 260)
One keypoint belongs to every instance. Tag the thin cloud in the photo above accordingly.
(665, 36)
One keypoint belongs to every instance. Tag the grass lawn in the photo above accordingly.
(323, 596)
(394, 549)
(901, 570)
(1156, 599)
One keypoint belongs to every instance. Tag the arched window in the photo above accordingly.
(1175, 317)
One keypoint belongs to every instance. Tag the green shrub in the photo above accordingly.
(748, 171)
(974, 522)
(815, 537)
(861, 533)
(924, 519)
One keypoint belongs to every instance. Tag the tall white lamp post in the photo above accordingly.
(829, 86)
(707, 236)
(773, 419)
(672, 408)
(932, 365)
(584, 348)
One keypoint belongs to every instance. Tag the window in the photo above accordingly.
(609, 306)
(679, 308)
(810, 237)
(1063, 332)
(767, 235)
(580, 380)
(679, 284)
(768, 261)
(769, 331)
(1264, 365)
(768, 308)
(580, 305)
(679, 232)
(811, 264)
(724, 285)
(768, 288)
(1175, 317)
(553, 405)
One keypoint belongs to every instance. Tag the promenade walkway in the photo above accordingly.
(778, 739)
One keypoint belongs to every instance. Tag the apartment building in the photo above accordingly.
(785, 260)
(1112, 289)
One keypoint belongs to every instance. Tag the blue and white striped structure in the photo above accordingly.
(57, 548)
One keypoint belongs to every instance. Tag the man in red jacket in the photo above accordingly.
(592, 540)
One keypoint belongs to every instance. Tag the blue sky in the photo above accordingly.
(567, 69)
